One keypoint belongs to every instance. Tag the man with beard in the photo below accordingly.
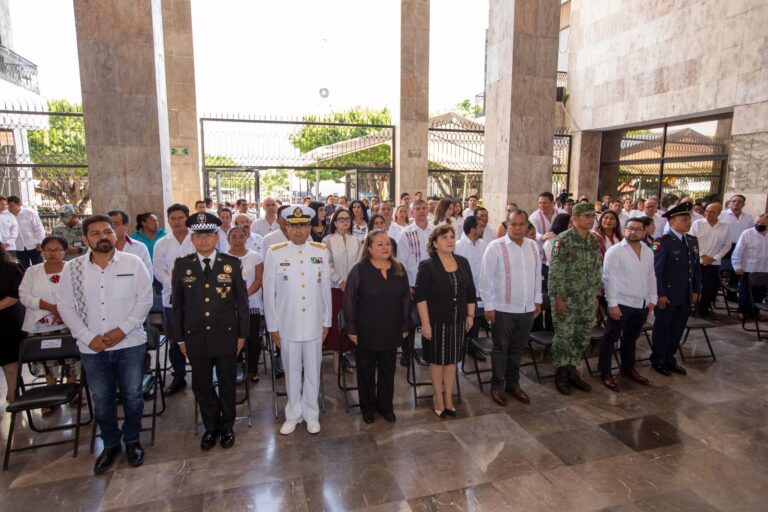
(104, 297)
(210, 325)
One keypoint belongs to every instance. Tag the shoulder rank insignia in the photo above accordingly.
(655, 246)
(317, 244)
(276, 247)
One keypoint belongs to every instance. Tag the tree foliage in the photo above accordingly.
(465, 108)
(313, 136)
(62, 143)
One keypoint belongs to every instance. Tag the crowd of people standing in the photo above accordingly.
(362, 276)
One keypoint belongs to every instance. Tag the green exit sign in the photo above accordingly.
(179, 151)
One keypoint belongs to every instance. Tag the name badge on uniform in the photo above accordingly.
(285, 264)
(224, 278)
(316, 259)
(189, 279)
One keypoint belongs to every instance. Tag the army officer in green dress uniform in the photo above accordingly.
(210, 324)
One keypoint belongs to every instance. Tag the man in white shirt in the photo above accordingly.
(471, 205)
(254, 242)
(714, 243)
(297, 308)
(651, 209)
(629, 280)
(751, 255)
(736, 218)
(623, 217)
(411, 250)
(268, 223)
(472, 247)
(510, 285)
(127, 244)
(225, 216)
(9, 227)
(104, 297)
(175, 244)
(487, 232)
(31, 233)
(278, 236)
(242, 207)
(546, 213)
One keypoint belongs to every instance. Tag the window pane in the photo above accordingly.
(698, 139)
(635, 144)
(458, 185)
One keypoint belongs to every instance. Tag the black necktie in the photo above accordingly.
(207, 269)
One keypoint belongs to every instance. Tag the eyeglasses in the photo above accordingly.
(343, 219)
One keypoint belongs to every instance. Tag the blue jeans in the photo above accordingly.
(178, 361)
(106, 371)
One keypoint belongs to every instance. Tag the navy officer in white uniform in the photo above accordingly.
(297, 308)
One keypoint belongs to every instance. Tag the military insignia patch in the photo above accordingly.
(228, 269)
(201, 218)
(655, 246)
(298, 212)
(317, 259)
(189, 272)
(555, 247)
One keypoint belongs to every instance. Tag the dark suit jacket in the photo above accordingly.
(434, 286)
(678, 272)
(209, 315)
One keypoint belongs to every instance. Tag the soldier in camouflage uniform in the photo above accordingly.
(574, 284)
(70, 229)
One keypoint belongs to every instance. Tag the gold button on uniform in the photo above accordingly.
(207, 299)
(302, 273)
(207, 327)
(301, 261)
(207, 313)
(207, 285)
(302, 286)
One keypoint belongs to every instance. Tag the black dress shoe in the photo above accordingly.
(175, 386)
(228, 439)
(390, 417)
(562, 382)
(105, 459)
(662, 370)
(368, 418)
(577, 381)
(208, 441)
(676, 368)
(134, 454)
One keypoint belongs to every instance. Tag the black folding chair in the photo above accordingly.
(756, 279)
(482, 345)
(347, 360)
(417, 357)
(38, 349)
(151, 385)
(726, 286)
(703, 325)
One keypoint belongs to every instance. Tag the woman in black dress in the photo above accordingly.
(376, 308)
(318, 228)
(11, 320)
(445, 300)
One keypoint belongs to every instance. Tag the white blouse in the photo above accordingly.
(37, 285)
(343, 253)
(250, 260)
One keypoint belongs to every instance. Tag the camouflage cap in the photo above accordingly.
(583, 209)
(67, 211)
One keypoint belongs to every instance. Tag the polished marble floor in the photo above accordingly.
(695, 443)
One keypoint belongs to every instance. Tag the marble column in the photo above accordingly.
(412, 129)
(585, 166)
(747, 156)
(187, 185)
(122, 76)
(521, 85)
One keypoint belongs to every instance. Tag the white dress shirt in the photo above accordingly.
(394, 231)
(250, 261)
(751, 252)
(474, 253)
(412, 249)
(9, 229)
(222, 244)
(139, 249)
(211, 260)
(37, 285)
(164, 255)
(255, 243)
(737, 225)
(118, 296)
(262, 228)
(31, 230)
(541, 222)
(510, 276)
(658, 221)
(275, 237)
(628, 280)
(714, 241)
(489, 234)
(343, 251)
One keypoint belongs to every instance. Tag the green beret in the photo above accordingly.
(583, 209)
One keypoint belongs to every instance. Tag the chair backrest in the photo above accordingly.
(758, 279)
(48, 347)
(153, 337)
(342, 322)
(415, 319)
(726, 265)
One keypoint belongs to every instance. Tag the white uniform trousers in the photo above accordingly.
(302, 397)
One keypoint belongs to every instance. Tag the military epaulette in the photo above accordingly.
(319, 245)
(276, 247)
(655, 245)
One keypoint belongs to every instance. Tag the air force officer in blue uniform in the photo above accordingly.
(678, 282)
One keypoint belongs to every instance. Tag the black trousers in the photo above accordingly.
(28, 258)
(668, 330)
(628, 329)
(254, 343)
(510, 337)
(217, 410)
(376, 379)
(710, 284)
(178, 361)
(745, 304)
